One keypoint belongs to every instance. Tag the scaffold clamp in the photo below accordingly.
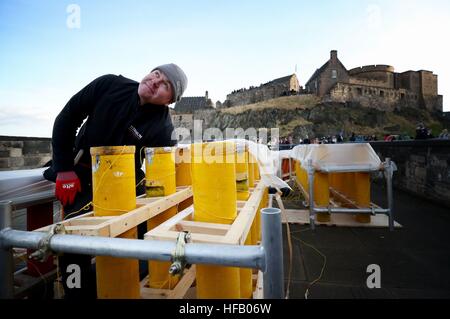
(44, 251)
(178, 257)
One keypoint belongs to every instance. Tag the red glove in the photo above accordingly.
(67, 186)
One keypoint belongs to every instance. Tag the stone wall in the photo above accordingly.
(279, 87)
(429, 83)
(375, 97)
(17, 152)
(423, 167)
(258, 94)
(204, 117)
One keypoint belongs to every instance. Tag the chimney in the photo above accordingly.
(206, 95)
(333, 55)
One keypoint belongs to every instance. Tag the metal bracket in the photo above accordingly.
(44, 251)
(178, 257)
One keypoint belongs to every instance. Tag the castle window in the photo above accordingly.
(402, 96)
(334, 74)
(382, 93)
(359, 91)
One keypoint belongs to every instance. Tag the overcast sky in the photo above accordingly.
(48, 54)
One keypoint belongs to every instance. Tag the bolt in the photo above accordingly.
(175, 268)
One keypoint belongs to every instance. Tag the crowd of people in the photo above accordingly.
(422, 132)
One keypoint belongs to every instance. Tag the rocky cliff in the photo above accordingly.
(301, 115)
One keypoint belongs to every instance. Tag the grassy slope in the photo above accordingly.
(282, 103)
(403, 122)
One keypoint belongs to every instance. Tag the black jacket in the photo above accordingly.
(114, 117)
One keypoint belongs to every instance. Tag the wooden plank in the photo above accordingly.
(183, 285)
(259, 290)
(243, 222)
(87, 230)
(64, 222)
(203, 228)
(180, 291)
(301, 216)
(124, 222)
(168, 224)
(145, 201)
(173, 235)
(152, 293)
(94, 221)
(343, 199)
(240, 203)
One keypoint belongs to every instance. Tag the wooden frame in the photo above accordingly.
(234, 234)
(184, 289)
(112, 226)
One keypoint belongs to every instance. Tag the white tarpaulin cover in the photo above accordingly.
(18, 183)
(354, 157)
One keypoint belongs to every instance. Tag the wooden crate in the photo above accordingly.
(112, 226)
(201, 232)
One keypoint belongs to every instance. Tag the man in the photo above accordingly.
(119, 111)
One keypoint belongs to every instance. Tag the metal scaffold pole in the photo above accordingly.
(6, 255)
(273, 247)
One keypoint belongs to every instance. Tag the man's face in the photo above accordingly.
(155, 88)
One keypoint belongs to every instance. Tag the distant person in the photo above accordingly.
(306, 140)
(421, 132)
(352, 137)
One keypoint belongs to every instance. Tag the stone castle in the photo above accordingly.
(375, 86)
(287, 85)
(372, 86)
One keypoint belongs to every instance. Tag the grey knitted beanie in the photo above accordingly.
(176, 77)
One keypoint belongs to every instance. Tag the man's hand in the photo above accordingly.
(67, 186)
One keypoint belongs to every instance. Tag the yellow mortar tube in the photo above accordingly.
(302, 175)
(183, 167)
(256, 235)
(339, 182)
(160, 180)
(362, 195)
(114, 193)
(183, 173)
(348, 187)
(321, 195)
(214, 189)
(256, 173)
(242, 168)
(245, 275)
(332, 180)
(251, 170)
(297, 170)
